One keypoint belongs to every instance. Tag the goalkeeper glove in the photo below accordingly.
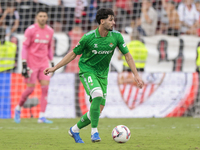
(25, 70)
(52, 64)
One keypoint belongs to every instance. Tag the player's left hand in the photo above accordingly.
(139, 81)
(49, 70)
(52, 65)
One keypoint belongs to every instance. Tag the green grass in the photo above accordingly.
(146, 134)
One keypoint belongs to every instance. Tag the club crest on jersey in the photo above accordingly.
(111, 45)
(95, 46)
(124, 45)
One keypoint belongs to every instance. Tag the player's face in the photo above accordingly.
(109, 23)
(42, 18)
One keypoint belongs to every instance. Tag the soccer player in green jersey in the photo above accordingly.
(97, 48)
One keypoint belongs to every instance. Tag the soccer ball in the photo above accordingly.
(121, 134)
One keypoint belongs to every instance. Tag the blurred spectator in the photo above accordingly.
(26, 9)
(93, 7)
(78, 10)
(10, 19)
(137, 6)
(2, 35)
(148, 21)
(104, 4)
(138, 51)
(69, 12)
(189, 17)
(170, 23)
(7, 52)
(75, 35)
(197, 4)
(53, 8)
(177, 1)
(2, 6)
(122, 10)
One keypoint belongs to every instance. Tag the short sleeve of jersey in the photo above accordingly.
(122, 45)
(27, 37)
(78, 50)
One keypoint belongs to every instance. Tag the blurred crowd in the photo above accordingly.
(149, 17)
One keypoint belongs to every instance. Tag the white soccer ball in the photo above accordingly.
(121, 134)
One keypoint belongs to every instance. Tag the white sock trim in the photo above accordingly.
(88, 115)
(18, 108)
(75, 128)
(42, 114)
(97, 93)
(93, 130)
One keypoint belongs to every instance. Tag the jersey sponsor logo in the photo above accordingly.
(124, 45)
(94, 51)
(111, 44)
(41, 41)
(102, 52)
(95, 46)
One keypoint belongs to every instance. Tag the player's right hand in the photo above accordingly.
(25, 70)
(49, 70)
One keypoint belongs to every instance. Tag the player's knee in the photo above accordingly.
(45, 88)
(101, 108)
(29, 90)
(97, 93)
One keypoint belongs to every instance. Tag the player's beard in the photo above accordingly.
(109, 28)
(42, 23)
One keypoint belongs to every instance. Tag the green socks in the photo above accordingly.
(94, 114)
(95, 111)
(84, 121)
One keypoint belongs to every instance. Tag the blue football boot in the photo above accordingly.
(44, 120)
(17, 116)
(75, 135)
(95, 137)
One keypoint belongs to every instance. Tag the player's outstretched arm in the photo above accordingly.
(68, 58)
(131, 63)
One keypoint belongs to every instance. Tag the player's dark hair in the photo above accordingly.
(103, 13)
(42, 10)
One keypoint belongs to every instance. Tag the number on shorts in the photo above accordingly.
(89, 79)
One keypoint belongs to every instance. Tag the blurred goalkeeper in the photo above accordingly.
(36, 53)
(97, 48)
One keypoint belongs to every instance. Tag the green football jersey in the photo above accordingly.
(97, 51)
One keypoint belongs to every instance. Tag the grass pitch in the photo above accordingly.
(146, 134)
